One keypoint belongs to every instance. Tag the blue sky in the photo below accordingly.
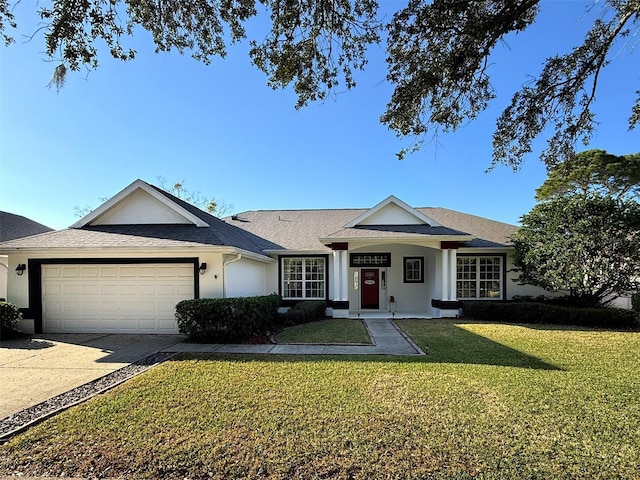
(227, 135)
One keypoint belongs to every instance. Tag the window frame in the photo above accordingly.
(502, 281)
(406, 270)
(281, 278)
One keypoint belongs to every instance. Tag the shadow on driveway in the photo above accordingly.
(35, 368)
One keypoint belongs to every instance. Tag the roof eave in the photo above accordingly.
(399, 239)
(222, 249)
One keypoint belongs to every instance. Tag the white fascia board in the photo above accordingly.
(298, 252)
(123, 194)
(147, 252)
(253, 256)
(403, 239)
(392, 199)
(489, 250)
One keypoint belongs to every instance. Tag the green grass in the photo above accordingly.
(331, 331)
(488, 401)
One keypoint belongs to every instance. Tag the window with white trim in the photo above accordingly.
(479, 277)
(303, 278)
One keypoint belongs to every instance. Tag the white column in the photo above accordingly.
(344, 275)
(445, 274)
(336, 275)
(452, 274)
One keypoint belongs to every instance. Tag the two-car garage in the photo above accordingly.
(112, 297)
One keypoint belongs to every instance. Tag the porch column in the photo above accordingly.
(337, 277)
(445, 274)
(340, 280)
(344, 275)
(448, 306)
(452, 274)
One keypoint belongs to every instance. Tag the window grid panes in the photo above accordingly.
(479, 277)
(303, 278)
(413, 269)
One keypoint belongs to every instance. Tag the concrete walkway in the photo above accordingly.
(387, 339)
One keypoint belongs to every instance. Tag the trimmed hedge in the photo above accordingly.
(544, 313)
(305, 312)
(635, 302)
(9, 316)
(222, 320)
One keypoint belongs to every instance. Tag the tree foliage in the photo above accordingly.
(594, 171)
(587, 246)
(438, 54)
(210, 205)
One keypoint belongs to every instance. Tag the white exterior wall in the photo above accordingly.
(245, 278)
(140, 208)
(271, 277)
(4, 272)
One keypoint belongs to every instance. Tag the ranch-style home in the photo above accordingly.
(124, 266)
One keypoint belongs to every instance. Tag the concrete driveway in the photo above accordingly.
(38, 367)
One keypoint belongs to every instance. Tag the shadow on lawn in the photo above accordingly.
(450, 343)
(443, 342)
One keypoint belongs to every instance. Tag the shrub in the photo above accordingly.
(544, 313)
(635, 302)
(9, 316)
(227, 319)
(305, 312)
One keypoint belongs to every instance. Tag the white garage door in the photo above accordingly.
(138, 298)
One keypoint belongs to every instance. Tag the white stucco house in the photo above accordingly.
(124, 266)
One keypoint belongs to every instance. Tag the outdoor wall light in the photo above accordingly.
(203, 268)
(20, 269)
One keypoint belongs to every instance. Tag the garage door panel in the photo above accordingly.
(89, 272)
(114, 298)
(108, 271)
(183, 290)
(71, 272)
(90, 289)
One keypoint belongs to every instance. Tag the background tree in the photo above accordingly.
(217, 208)
(594, 171)
(585, 245)
(438, 54)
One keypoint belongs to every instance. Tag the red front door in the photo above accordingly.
(370, 292)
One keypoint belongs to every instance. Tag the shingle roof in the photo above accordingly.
(16, 226)
(218, 233)
(268, 230)
(301, 229)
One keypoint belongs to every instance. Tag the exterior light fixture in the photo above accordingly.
(203, 268)
(20, 269)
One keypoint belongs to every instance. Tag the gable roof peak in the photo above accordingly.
(127, 194)
(392, 211)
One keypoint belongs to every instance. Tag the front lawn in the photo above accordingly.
(332, 331)
(488, 401)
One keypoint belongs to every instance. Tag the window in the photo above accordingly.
(303, 278)
(479, 277)
(413, 270)
(370, 260)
